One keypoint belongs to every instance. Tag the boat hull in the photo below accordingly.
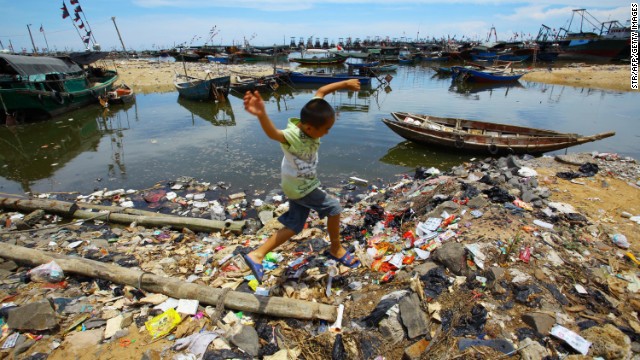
(471, 75)
(297, 77)
(483, 137)
(201, 89)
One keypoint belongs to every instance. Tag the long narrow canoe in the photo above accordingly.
(481, 136)
(466, 73)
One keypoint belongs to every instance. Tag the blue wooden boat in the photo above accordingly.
(488, 56)
(312, 77)
(436, 58)
(202, 89)
(384, 68)
(466, 73)
(364, 64)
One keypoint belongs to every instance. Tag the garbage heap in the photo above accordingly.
(517, 256)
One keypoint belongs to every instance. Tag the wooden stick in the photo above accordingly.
(267, 305)
(70, 210)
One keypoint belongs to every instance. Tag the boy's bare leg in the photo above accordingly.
(275, 240)
(333, 228)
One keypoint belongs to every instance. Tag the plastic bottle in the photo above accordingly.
(620, 240)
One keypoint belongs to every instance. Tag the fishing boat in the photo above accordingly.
(364, 64)
(481, 136)
(487, 75)
(384, 68)
(243, 84)
(120, 95)
(319, 77)
(202, 89)
(40, 87)
(319, 57)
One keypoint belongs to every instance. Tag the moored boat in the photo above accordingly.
(202, 89)
(319, 57)
(315, 77)
(37, 88)
(481, 136)
(487, 75)
(121, 94)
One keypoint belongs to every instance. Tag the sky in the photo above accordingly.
(162, 24)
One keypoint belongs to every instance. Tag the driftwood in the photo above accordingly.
(114, 214)
(268, 305)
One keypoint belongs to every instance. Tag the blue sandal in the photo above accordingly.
(348, 259)
(256, 269)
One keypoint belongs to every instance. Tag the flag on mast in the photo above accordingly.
(41, 28)
(65, 12)
(73, 2)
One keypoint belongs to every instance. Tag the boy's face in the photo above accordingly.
(318, 132)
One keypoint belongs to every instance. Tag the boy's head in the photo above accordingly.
(317, 118)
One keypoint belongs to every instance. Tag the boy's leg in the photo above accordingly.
(275, 240)
(333, 228)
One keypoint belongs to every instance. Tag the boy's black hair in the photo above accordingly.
(316, 112)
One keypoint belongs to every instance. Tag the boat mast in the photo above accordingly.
(32, 42)
(45, 38)
(113, 18)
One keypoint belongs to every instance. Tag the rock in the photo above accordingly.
(94, 323)
(5, 273)
(452, 255)
(415, 350)
(265, 216)
(608, 342)
(477, 202)
(36, 316)
(532, 350)
(391, 329)
(8, 265)
(501, 345)
(413, 318)
(76, 342)
(32, 218)
(246, 338)
(151, 355)
(540, 322)
(22, 347)
(424, 268)
(494, 275)
(113, 325)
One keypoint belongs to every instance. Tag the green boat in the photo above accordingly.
(39, 87)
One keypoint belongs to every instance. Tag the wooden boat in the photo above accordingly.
(481, 136)
(490, 75)
(40, 87)
(202, 89)
(315, 77)
(489, 56)
(384, 68)
(121, 95)
(243, 84)
(364, 64)
(319, 57)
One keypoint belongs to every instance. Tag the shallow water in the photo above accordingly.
(160, 137)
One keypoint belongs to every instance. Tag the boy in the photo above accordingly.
(300, 142)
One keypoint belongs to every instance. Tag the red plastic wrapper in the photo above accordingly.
(388, 276)
(525, 254)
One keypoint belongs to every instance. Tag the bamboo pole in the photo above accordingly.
(267, 305)
(113, 214)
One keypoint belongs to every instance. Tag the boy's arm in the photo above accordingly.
(254, 105)
(351, 84)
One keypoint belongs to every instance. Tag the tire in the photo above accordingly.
(459, 142)
(493, 149)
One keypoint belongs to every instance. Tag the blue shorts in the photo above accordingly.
(299, 209)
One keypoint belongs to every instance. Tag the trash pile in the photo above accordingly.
(517, 256)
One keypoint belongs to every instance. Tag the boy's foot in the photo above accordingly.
(256, 268)
(348, 259)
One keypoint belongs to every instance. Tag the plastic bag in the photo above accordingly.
(162, 324)
(49, 273)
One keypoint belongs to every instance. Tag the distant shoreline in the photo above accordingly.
(153, 77)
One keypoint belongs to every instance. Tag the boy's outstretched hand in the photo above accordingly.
(353, 84)
(253, 103)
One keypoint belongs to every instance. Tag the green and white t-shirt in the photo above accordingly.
(300, 161)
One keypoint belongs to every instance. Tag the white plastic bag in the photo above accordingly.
(49, 272)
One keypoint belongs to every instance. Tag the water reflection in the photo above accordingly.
(218, 114)
(470, 88)
(410, 154)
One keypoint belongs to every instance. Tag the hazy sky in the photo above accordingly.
(146, 24)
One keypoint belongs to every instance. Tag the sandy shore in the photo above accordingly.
(148, 77)
(607, 77)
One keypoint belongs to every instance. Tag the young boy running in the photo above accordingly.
(300, 142)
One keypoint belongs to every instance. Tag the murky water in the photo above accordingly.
(160, 137)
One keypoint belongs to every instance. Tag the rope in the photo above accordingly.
(140, 278)
(219, 306)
